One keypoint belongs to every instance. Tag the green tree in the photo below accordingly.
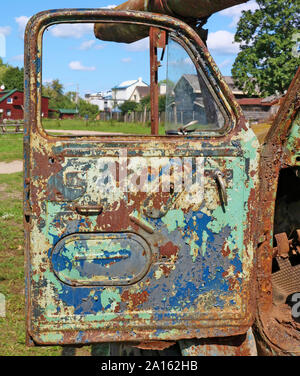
(3, 69)
(266, 60)
(162, 103)
(146, 102)
(54, 90)
(57, 87)
(128, 106)
(13, 78)
(87, 109)
(72, 95)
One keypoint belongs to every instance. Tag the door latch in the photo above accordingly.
(222, 186)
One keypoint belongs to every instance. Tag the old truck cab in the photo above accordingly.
(143, 239)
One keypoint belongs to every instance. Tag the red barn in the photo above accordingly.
(12, 105)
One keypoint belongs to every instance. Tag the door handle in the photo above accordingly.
(89, 210)
(222, 185)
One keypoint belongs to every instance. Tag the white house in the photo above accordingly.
(102, 99)
(110, 100)
(139, 93)
(124, 91)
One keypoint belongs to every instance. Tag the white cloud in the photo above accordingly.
(109, 6)
(5, 30)
(236, 11)
(87, 45)
(140, 45)
(18, 58)
(126, 60)
(225, 63)
(47, 80)
(22, 22)
(76, 65)
(72, 30)
(99, 47)
(222, 42)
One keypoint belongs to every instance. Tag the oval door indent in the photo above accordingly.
(101, 259)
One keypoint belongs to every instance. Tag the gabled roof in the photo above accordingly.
(143, 90)
(7, 94)
(68, 111)
(258, 101)
(192, 80)
(126, 84)
(235, 90)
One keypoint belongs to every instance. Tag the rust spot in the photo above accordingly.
(135, 299)
(168, 250)
(166, 270)
(155, 345)
(225, 250)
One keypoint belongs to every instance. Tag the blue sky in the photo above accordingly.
(77, 59)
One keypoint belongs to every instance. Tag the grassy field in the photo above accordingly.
(100, 126)
(11, 147)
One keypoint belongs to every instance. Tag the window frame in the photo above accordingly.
(209, 86)
(190, 39)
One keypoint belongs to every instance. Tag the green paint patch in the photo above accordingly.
(110, 297)
(174, 219)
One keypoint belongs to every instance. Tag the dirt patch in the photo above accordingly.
(11, 168)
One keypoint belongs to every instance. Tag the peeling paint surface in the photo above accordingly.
(106, 263)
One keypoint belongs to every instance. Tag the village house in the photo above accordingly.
(134, 91)
(254, 108)
(124, 91)
(102, 99)
(12, 105)
(139, 93)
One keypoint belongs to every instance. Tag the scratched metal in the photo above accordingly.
(242, 345)
(275, 335)
(138, 267)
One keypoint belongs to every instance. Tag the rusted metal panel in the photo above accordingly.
(243, 345)
(190, 11)
(172, 263)
(158, 39)
(281, 150)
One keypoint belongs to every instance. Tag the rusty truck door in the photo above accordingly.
(110, 260)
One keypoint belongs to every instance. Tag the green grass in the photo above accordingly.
(100, 126)
(11, 147)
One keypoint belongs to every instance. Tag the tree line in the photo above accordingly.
(70, 100)
(13, 78)
(265, 65)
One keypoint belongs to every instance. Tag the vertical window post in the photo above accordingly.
(157, 40)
